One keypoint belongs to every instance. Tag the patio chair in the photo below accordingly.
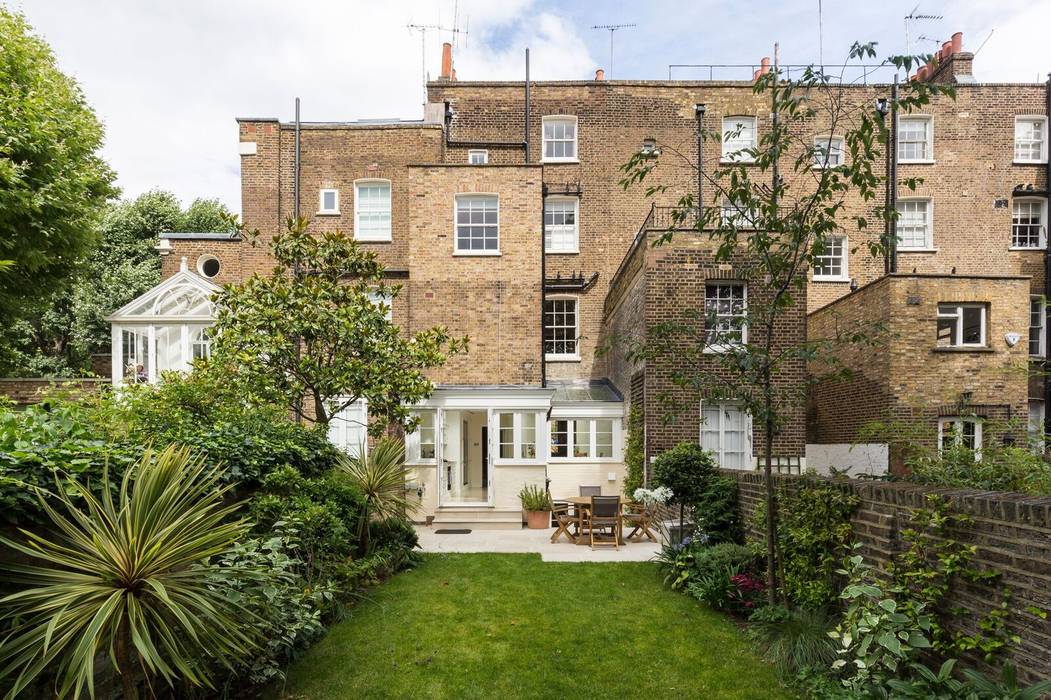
(605, 512)
(640, 517)
(563, 521)
(590, 490)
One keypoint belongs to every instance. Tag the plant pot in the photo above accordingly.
(538, 519)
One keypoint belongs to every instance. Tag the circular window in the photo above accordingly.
(208, 265)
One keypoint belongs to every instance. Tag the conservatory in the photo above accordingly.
(163, 330)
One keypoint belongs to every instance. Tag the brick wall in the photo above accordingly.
(494, 299)
(902, 375)
(25, 391)
(1011, 531)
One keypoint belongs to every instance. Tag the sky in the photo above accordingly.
(168, 78)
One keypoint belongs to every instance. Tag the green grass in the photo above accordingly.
(513, 626)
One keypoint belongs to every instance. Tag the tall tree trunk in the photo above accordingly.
(125, 664)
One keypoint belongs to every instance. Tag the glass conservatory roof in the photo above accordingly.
(183, 296)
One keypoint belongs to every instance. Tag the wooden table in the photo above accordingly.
(583, 503)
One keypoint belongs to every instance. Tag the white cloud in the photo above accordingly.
(168, 79)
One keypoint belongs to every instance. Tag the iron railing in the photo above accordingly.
(863, 73)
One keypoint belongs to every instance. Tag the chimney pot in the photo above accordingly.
(447, 61)
(765, 65)
(453, 76)
(600, 74)
(921, 74)
(957, 42)
(947, 49)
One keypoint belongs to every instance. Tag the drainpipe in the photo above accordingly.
(295, 175)
(892, 176)
(526, 120)
(699, 110)
(543, 282)
(1047, 277)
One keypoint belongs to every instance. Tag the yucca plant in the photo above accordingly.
(380, 476)
(126, 577)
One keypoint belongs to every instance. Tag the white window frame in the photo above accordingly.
(749, 456)
(575, 158)
(718, 347)
(730, 152)
(1041, 314)
(518, 434)
(378, 238)
(563, 357)
(957, 315)
(1041, 204)
(592, 431)
(478, 156)
(844, 275)
(731, 215)
(929, 119)
(548, 237)
(414, 442)
(1043, 138)
(204, 260)
(834, 143)
(456, 225)
(321, 210)
(928, 245)
(958, 436)
(338, 424)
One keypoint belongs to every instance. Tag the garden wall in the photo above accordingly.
(1012, 532)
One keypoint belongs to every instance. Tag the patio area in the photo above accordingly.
(530, 542)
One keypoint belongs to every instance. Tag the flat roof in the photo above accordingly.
(195, 236)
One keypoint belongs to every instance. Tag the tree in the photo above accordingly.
(53, 182)
(315, 328)
(58, 334)
(123, 579)
(779, 226)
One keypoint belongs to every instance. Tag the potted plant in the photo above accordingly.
(536, 502)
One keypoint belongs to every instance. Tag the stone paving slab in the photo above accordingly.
(527, 541)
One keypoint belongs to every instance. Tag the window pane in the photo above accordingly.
(560, 326)
(507, 436)
(372, 207)
(560, 138)
(328, 200)
(1029, 139)
(831, 262)
(582, 438)
(477, 226)
(604, 438)
(528, 440)
(972, 325)
(828, 152)
(913, 224)
(913, 139)
(560, 438)
(1027, 224)
(426, 430)
(1037, 317)
(725, 313)
(738, 134)
(560, 225)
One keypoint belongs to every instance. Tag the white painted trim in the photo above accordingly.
(321, 211)
(576, 138)
(456, 238)
(476, 151)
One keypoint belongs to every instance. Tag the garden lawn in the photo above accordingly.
(513, 626)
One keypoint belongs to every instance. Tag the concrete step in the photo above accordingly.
(475, 518)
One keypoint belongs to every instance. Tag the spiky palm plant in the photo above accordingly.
(380, 476)
(124, 576)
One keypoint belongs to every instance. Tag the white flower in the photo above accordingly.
(653, 497)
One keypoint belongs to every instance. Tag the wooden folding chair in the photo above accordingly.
(563, 521)
(605, 512)
(640, 518)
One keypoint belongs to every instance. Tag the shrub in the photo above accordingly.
(49, 438)
(715, 511)
(793, 639)
(727, 589)
(684, 563)
(397, 533)
(687, 470)
(264, 579)
(379, 475)
(814, 532)
(534, 498)
(1001, 468)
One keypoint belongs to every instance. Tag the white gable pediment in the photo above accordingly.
(183, 296)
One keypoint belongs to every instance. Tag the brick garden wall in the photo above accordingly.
(1012, 532)
(23, 392)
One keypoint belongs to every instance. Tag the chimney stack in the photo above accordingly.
(447, 62)
(951, 64)
(600, 74)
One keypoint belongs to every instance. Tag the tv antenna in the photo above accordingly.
(423, 29)
(612, 28)
(914, 17)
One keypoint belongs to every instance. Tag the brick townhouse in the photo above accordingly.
(501, 214)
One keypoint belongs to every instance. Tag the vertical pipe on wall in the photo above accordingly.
(526, 119)
(892, 175)
(295, 169)
(543, 281)
(1047, 271)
